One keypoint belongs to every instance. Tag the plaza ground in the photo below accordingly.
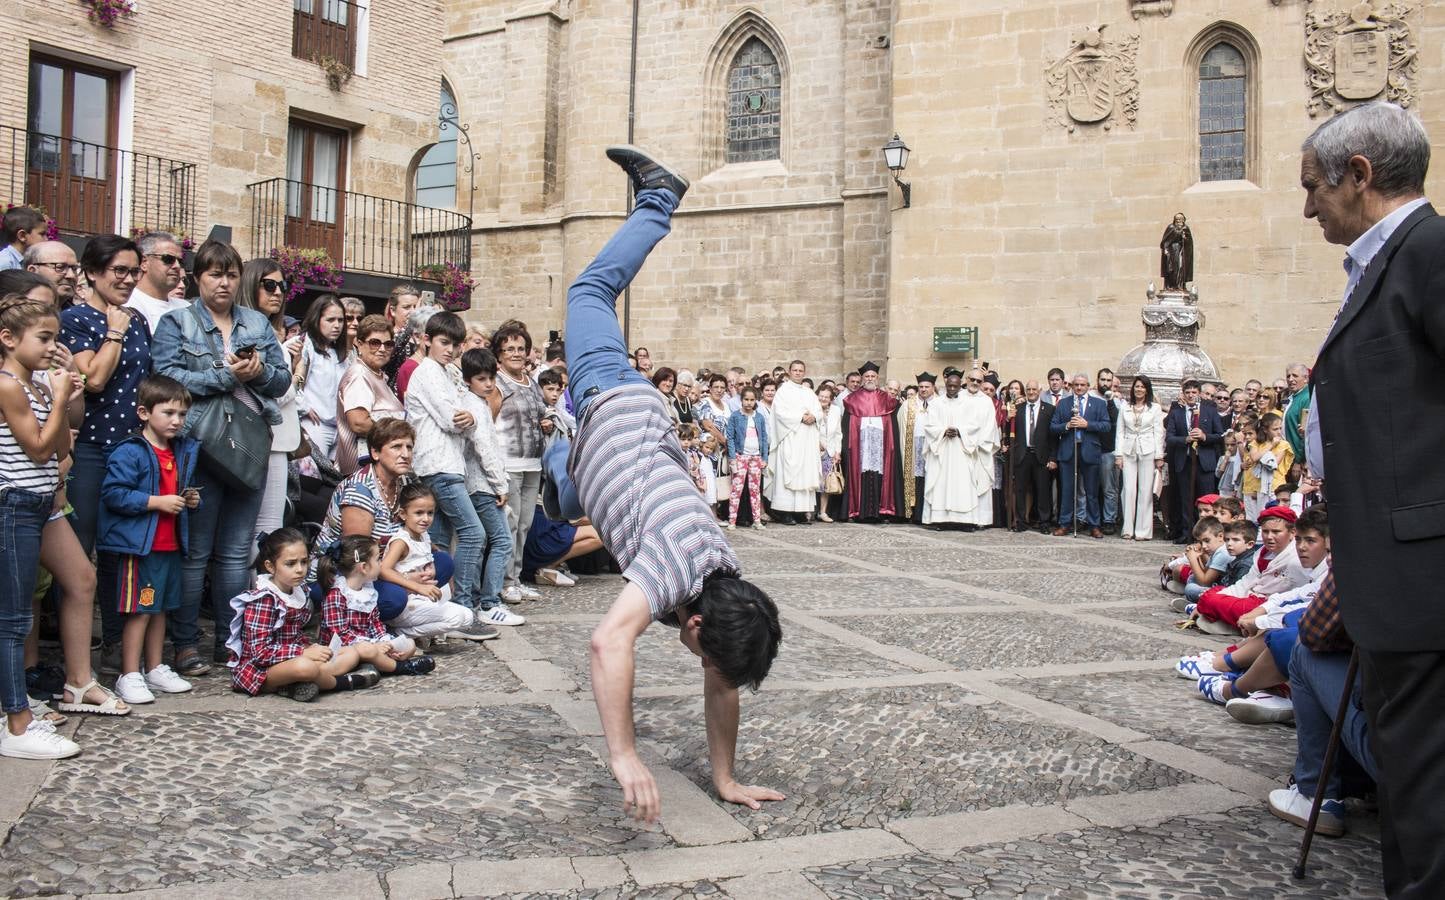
(951, 715)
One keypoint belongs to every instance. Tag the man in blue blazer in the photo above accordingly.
(1079, 423)
(1193, 439)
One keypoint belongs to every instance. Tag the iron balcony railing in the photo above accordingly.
(362, 233)
(325, 29)
(94, 189)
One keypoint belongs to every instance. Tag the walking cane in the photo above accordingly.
(1328, 766)
(1074, 497)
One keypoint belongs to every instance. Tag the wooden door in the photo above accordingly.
(315, 201)
(72, 168)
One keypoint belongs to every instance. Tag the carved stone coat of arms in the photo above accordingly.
(1358, 54)
(1095, 82)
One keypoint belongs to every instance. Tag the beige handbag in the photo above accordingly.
(833, 484)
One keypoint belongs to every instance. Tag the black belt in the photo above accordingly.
(591, 392)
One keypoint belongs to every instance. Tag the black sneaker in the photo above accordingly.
(646, 172)
(417, 665)
(301, 691)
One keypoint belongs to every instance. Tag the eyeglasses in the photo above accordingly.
(122, 273)
(379, 344)
(273, 286)
(61, 268)
(352, 318)
(167, 259)
(515, 351)
(975, 381)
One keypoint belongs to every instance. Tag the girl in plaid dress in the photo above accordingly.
(349, 616)
(269, 650)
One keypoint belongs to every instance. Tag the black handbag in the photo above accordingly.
(235, 440)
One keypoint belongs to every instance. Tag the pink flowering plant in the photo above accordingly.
(456, 283)
(52, 230)
(302, 266)
(109, 12)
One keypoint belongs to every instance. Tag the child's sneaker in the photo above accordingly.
(500, 615)
(164, 679)
(1191, 667)
(555, 577)
(1179, 604)
(38, 741)
(758, 525)
(731, 526)
(1211, 686)
(1292, 806)
(528, 592)
(132, 689)
(1261, 708)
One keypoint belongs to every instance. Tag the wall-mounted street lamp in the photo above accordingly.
(895, 153)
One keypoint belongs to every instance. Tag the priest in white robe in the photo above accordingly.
(797, 444)
(961, 435)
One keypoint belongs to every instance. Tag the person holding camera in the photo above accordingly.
(220, 353)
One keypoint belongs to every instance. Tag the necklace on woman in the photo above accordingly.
(388, 497)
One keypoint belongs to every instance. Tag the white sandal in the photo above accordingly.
(44, 713)
(112, 706)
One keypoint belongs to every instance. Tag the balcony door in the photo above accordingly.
(323, 28)
(72, 168)
(315, 201)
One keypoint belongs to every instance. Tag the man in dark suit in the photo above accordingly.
(1193, 439)
(1079, 423)
(1375, 431)
(1031, 454)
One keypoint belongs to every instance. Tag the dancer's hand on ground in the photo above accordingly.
(748, 795)
(640, 799)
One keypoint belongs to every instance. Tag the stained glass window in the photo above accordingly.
(755, 104)
(1222, 114)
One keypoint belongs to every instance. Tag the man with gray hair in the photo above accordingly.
(55, 262)
(1297, 379)
(1374, 433)
(161, 269)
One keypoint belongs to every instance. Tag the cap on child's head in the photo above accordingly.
(1207, 500)
(1279, 512)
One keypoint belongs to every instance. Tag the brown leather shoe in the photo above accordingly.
(1096, 532)
(1060, 532)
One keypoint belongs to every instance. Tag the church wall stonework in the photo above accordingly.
(1047, 239)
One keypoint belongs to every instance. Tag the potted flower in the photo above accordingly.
(302, 266)
(109, 12)
(456, 283)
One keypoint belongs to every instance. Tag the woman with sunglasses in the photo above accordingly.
(263, 288)
(111, 346)
(218, 349)
(363, 395)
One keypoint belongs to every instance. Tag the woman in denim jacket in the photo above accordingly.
(254, 370)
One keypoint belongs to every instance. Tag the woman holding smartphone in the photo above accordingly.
(216, 348)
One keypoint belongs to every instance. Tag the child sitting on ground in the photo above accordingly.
(1276, 569)
(145, 499)
(348, 614)
(408, 563)
(1174, 574)
(1207, 558)
(270, 652)
(1228, 509)
(1239, 545)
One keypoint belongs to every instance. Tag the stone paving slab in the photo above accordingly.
(860, 758)
(1004, 640)
(818, 592)
(1050, 586)
(662, 660)
(790, 562)
(1237, 854)
(303, 795)
(1169, 709)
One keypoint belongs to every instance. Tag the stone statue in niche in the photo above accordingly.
(1138, 8)
(1096, 82)
(1176, 255)
(1359, 54)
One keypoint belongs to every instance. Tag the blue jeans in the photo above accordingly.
(222, 533)
(455, 514)
(596, 351)
(83, 492)
(23, 515)
(1193, 590)
(499, 548)
(1316, 681)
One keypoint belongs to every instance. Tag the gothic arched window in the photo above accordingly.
(1222, 119)
(754, 104)
(436, 174)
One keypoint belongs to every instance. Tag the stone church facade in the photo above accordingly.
(1051, 143)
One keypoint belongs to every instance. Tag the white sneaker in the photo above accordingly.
(731, 526)
(1292, 806)
(132, 689)
(500, 615)
(556, 578)
(1174, 586)
(1210, 626)
(512, 594)
(1191, 667)
(758, 526)
(164, 679)
(39, 741)
(1261, 708)
(529, 592)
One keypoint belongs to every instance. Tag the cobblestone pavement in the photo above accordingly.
(951, 715)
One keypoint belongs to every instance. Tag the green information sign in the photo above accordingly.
(956, 339)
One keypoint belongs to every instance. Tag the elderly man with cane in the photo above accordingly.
(1363, 173)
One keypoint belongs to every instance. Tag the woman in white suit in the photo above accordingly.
(1139, 452)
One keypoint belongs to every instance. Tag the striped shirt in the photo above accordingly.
(17, 469)
(632, 478)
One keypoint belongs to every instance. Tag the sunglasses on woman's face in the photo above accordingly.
(273, 286)
(379, 344)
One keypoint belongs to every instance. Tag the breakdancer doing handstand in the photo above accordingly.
(627, 471)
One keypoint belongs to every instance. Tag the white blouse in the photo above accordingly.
(1141, 432)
